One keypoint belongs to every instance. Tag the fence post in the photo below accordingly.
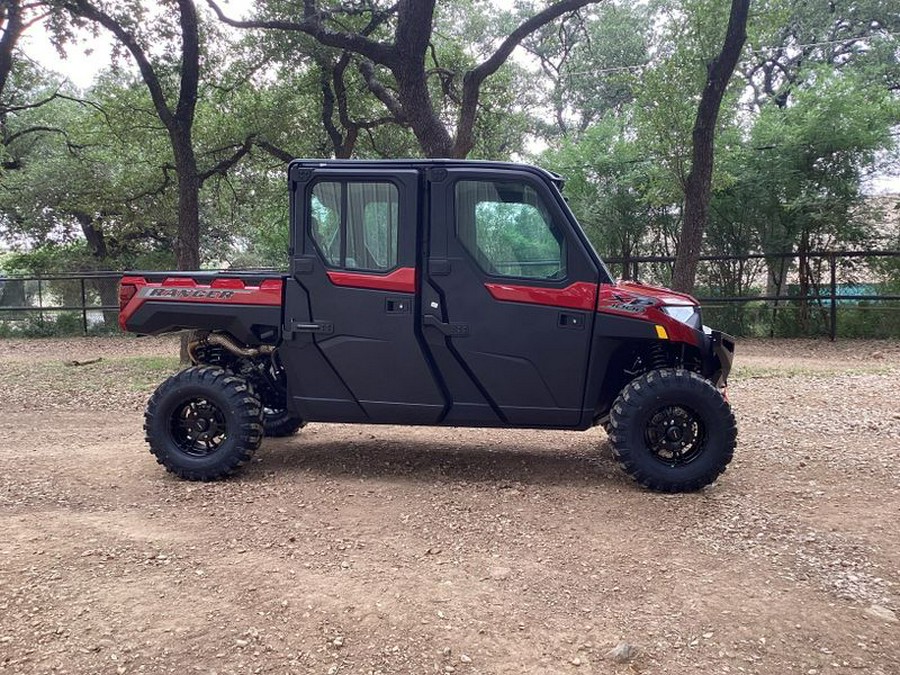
(84, 324)
(40, 302)
(832, 261)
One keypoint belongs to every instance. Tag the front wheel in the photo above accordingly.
(672, 431)
(203, 423)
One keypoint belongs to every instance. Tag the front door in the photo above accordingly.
(508, 307)
(351, 351)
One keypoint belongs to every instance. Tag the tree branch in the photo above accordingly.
(32, 130)
(153, 192)
(36, 104)
(473, 79)
(85, 9)
(526, 28)
(226, 164)
(274, 150)
(313, 25)
(382, 93)
(328, 100)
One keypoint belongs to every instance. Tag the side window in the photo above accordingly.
(325, 216)
(354, 224)
(507, 228)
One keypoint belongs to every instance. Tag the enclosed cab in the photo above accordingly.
(435, 293)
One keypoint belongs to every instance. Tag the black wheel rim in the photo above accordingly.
(675, 435)
(198, 427)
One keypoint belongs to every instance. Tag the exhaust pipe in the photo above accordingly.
(230, 345)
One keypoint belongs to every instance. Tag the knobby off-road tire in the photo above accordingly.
(672, 431)
(279, 423)
(203, 423)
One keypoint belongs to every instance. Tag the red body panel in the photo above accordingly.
(401, 280)
(579, 295)
(625, 298)
(225, 291)
(664, 295)
(644, 302)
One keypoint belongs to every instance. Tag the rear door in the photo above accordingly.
(350, 306)
(508, 307)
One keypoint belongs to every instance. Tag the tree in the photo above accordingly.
(317, 93)
(607, 187)
(175, 111)
(407, 57)
(87, 192)
(23, 85)
(799, 35)
(11, 24)
(698, 185)
(590, 62)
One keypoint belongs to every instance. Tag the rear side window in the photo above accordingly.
(354, 224)
(508, 229)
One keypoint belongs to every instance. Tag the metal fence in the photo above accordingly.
(88, 299)
(828, 293)
(814, 290)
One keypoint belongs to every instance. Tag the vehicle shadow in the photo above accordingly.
(427, 460)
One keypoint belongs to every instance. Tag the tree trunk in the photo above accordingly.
(187, 242)
(433, 137)
(12, 27)
(107, 288)
(698, 186)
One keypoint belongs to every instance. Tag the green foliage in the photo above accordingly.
(47, 324)
(591, 63)
(87, 179)
(608, 186)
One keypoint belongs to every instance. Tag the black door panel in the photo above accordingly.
(317, 390)
(354, 353)
(524, 361)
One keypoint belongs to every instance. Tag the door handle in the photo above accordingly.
(571, 320)
(397, 305)
(324, 327)
(448, 329)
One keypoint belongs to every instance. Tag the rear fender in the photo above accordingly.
(250, 313)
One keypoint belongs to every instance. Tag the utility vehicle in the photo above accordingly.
(434, 292)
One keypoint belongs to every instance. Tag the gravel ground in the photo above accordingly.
(352, 549)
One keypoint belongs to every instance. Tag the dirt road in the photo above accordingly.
(397, 550)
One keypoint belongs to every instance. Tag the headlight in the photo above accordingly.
(687, 314)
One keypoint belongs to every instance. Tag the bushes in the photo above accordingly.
(862, 319)
(51, 323)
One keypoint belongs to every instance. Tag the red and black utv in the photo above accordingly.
(436, 292)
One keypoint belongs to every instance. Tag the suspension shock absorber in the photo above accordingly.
(657, 357)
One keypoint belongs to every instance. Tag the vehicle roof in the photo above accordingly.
(426, 164)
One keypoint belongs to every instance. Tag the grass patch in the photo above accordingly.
(145, 373)
(130, 374)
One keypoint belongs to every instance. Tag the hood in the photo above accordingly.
(635, 290)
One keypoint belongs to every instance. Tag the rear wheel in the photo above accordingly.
(672, 430)
(203, 423)
(278, 423)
